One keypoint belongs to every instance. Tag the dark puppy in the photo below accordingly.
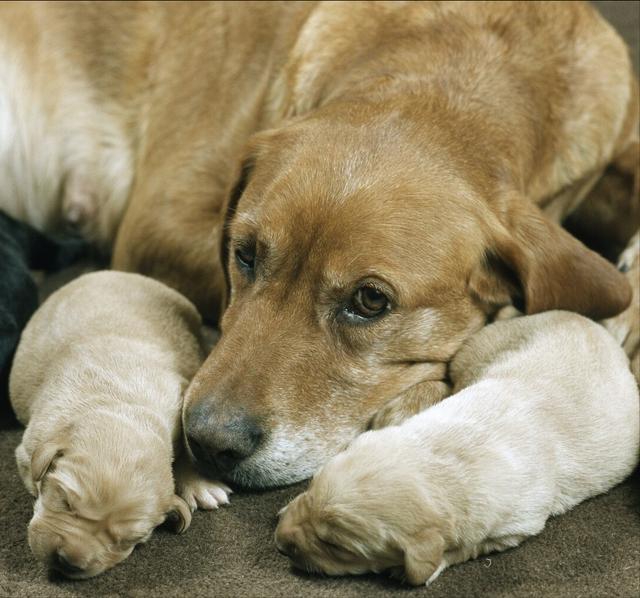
(23, 248)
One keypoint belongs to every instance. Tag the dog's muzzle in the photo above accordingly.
(220, 437)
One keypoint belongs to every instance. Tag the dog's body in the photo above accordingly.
(399, 152)
(548, 417)
(98, 380)
(23, 248)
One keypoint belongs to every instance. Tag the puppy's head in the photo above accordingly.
(361, 251)
(91, 512)
(360, 514)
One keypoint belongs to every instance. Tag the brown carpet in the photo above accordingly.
(593, 551)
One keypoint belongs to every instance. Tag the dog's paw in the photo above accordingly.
(201, 493)
(413, 401)
(625, 327)
(392, 414)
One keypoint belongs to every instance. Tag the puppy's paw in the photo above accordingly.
(201, 493)
(413, 401)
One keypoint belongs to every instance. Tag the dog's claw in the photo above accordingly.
(205, 494)
(198, 491)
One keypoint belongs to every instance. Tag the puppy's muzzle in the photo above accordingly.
(62, 564)
(220, 437)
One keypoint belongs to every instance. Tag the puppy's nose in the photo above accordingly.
(220, 438)
(62, 564)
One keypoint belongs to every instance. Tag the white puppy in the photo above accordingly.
(98, 380)
(548, 418)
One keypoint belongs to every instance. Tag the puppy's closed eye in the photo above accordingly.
(337, 551)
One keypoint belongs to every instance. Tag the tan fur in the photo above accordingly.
(430, 184)
(545, 415)
(430, 147)
(98, 379)
(625, 327)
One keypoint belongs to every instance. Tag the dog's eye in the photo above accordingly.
(246, 257)
(369, 302)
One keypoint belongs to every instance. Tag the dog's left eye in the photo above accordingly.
(368, 302)
(246, 257)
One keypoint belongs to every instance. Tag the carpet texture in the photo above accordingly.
(591, 552)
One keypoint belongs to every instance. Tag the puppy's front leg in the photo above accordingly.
(411, 402)
(196, 490)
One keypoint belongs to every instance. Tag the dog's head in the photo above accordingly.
(364, 512)
(91, 512)
(360, 253)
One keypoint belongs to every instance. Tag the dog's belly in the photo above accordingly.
(64, 152)
(30, 164)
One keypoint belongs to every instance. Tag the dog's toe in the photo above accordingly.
(204, 494)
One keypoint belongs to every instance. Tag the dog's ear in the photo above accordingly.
(256, 147)
(423, 556)
(44, 457)
(179, 515)
(240, 181)
(538, 266)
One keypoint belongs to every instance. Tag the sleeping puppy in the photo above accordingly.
(98, 380)
(548, 417)
(23, 248)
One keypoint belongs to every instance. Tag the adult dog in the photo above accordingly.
(375, 174)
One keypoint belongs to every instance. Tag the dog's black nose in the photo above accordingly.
(60, 563)
(220, 438)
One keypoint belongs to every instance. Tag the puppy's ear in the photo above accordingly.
(43, 459)
(179, 515)
(539, 266)
(423, 556)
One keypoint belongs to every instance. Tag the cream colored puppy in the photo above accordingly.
(98, 380)
(548, 418)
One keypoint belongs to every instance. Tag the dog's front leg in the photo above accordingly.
(414, 400)
(195, 489)
(625, 327)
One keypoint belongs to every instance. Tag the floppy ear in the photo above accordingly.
(539, 266)
(240, 182)
(44, 457)
(423, 557)
(179, 516)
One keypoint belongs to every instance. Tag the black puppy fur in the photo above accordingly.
(22, 249)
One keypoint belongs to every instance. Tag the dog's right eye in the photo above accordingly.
(246, 258)
(368, 302)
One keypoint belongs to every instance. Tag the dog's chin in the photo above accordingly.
(256, 473)
(280, 464)
(288, 458)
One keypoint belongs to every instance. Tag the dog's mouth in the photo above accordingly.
(284, 457)
(256, 473)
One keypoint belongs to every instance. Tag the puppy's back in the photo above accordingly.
(95, 320)
(578, 389)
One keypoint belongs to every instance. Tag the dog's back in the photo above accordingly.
(101, 323)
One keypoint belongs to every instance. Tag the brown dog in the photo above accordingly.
(391, 201)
